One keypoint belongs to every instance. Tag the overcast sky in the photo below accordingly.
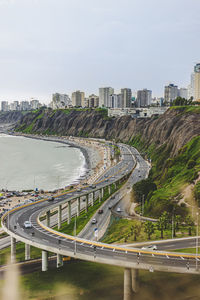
(49, 46)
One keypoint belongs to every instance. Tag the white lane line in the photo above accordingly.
(113, 249)
(126, 251)
(167, 256)
(197, 258)
(91, 246)
(182, 258)
(82, 244)
(153, 255)
(102, 248)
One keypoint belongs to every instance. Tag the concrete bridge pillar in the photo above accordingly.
(13, 250)
(109, 189)
(59, 216)
(135, 280)
(86, 203)
(127, 284)
(102, 193)
(78, 206)
(93, 198)
(27, 252)
(48, 218)
(44, 261)
(59, 260)
(69, 212)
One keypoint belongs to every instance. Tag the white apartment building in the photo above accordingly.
(60, 101)
(78, 99)
(126, 97)
(4, 106)
(104, 94)
(115, 101)
(197, 82)
(171, 93)
(144, 97)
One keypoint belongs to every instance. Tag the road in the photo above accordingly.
(47, 239)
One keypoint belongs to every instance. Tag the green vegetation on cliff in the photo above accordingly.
(168, 176)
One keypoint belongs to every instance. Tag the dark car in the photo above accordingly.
(100, 211)
(50, 198)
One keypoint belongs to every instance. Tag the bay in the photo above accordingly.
(29, 163)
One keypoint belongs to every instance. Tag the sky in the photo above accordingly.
(49, 46)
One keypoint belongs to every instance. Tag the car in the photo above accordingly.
(119, 209)
(94, 221)
(139, 175)
(100, 211)
(79, 190)
(27, 224)
(150, 247)
(110, 206)
(50, 198)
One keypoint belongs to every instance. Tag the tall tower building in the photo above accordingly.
(104, 96)
(171, 93)
(197, 82)
(144, 97)
(126, 97)
(78, 99)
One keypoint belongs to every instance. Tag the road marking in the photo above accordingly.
(126, 251)
(113, 249)
(197, 259)
(167, 256)
(82, 244)
(153, 255)
(102, 248)
(182, 258)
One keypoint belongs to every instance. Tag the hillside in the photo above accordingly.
(172, 141)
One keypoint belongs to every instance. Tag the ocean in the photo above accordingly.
(29, 164)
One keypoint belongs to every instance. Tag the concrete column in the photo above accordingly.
(102, 192)
(59, 260)
(93, 198)
(13, 250)
(135, 278)
(69, 212)
(78, 206)
(48, 218)
(115, 185)
(27, 252)
(86, 203)
(109, 189)
(127, 284)
(44, 261)
(59, 216)
(100, 195)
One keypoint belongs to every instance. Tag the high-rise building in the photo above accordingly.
(104, 94)
(78, 99)
(24, 105)
(183, 93)
(144, 97)
(126, 97)
(4, 106)
(197, 82)
(93, 101)
(115, 101)
(191, 87)
(60, 101)
(35, 104)
(171, 93)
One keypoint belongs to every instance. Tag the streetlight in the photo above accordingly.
(75, 236)
(197, 239)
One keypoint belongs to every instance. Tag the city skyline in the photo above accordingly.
(102, 47)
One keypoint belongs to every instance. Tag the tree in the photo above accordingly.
(149, 228)
(161, 226)
(136, 230)
(165, 216)
(189, 223)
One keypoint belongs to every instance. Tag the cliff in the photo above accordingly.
(175, 128)
(10, 117)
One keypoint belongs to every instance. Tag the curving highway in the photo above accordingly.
(47, 239)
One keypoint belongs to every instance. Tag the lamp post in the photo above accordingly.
(197, 233)
(75, 236)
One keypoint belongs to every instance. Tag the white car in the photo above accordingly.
(94, 221)
(150, 247)
(27, 224)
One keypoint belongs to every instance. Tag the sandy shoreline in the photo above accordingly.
(97, 158)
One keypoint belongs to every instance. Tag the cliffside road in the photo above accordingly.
(49, 240)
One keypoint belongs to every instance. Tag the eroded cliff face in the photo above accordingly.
(10, 117)
(174, 128)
